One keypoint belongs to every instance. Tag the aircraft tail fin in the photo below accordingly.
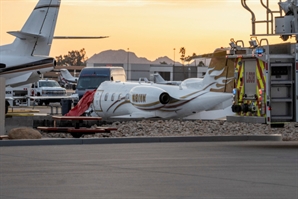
(157, 78)
(65, 74)
(35, 38)
(220, 74)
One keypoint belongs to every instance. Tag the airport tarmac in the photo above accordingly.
(151, 170)
(86, 168)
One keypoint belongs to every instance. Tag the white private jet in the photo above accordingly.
(66, 77)
(27, 57)
(23, 61)
(149, 100)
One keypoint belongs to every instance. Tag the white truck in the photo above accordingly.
(48, 91)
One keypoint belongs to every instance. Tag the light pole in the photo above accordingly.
(127, 62)
(174, 56)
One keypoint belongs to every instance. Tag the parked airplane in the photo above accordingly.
(23, 61)
(146, 100)
(66, 77)
(27, 57)
(157, 78)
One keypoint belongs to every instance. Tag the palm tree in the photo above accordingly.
(201, 63)
(182, 51)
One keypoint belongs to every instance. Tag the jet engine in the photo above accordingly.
(148, 98)
(2, 65)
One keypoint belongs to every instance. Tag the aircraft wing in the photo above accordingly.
(80, 37)
(136, 115)
(18, 79)
(207, 55)
(50, 97)
(220, 53)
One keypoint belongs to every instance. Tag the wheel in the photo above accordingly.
(76, 135)
(47, 103)
(245, 108)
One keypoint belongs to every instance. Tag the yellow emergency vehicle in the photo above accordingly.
(265, 88)
(266, 74)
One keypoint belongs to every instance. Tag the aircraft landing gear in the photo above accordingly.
(6, 106)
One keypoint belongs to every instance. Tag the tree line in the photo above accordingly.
(73, 58)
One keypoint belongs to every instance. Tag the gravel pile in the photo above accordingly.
(149, 128)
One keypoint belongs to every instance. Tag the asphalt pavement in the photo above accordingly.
(217, 170)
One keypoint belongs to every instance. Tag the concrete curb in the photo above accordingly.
(74, 141)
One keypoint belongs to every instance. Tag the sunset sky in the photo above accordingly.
(149, 28)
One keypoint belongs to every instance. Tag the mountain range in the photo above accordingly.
(122, 56)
